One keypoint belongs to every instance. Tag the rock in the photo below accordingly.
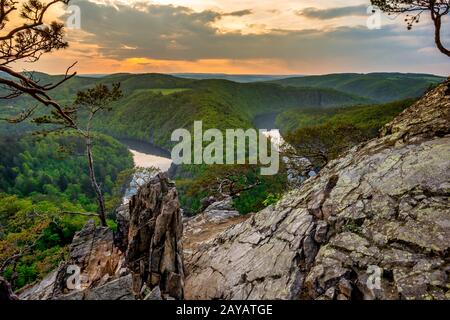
(204, 227)
(206, 202)
(41, 291)
(154, 248)
(118, 289)
(145, 251)
(93, 261)
(6, 293)
(121, 235)
(155, 294)
(373, 224)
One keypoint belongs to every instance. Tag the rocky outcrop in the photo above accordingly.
(154, 248)
(93, 261)
(142, 260)
(373, 224)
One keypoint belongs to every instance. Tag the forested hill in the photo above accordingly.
(380, 87)
(154, 105)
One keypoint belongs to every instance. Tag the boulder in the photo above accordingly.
(204, 227)
(146, 251)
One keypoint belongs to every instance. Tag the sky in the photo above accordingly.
(241, 37)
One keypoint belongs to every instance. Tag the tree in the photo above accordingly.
(414, 9)
(322, 143)
(222, 181)
(90, 103)
(25, 37)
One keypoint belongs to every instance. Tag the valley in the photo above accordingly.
(211, 150)
(152, 107)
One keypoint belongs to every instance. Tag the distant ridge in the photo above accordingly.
(243, 78)
(379, 86)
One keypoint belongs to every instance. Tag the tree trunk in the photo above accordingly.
(437, 20)
(95, 186)
(6, 292)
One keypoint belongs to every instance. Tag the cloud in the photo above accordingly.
(332, 13)
(239, 13)
(175, 33)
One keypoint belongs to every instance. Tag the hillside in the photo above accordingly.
(39, 181)
(155, 104)
(380, 87)
(369, 118)
(218, 103)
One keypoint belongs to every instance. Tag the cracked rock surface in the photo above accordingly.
(154, 253)
(97, 261)
(374, 224)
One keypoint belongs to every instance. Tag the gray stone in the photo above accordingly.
(154, 246)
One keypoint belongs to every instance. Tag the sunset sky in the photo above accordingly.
(242, 36)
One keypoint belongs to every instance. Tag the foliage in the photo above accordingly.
(47, 178)
(149, 113)
(322, 135)
(368, 118)
(322, 143)
(54, 166)
(271, 199)
(244, 183)
(33, 229)
(379, 87)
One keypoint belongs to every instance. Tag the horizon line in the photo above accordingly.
(247, 74)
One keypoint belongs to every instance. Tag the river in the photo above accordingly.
(266, 122)
(145, 155)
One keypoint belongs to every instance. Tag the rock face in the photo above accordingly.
(202, 228)
(154, 248)
(373, 224)
(93, 261)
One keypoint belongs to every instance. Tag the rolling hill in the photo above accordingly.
(154, 104)
(380, 87)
